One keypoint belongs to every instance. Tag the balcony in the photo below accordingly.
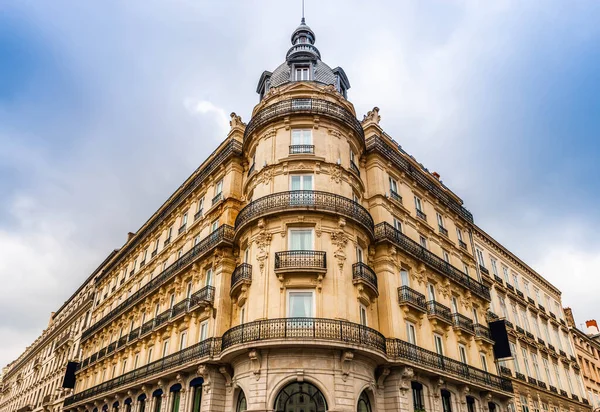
(386, 232)
(483, 333)
(301, 149)
(304, 200)
(67, 338)
(462, 244)
(411, 299)
(584, 400)
(509, 324)
(198, 214)
(362, 274)
(462, 323)
(541, 341)
(510, 287)
(552, 315)
(491, 316)
(562, 322)
(498, 280)
(531, 380)
(154, 252)
(443, 230)
(573, 358)
(530, 335)
(218, 197)
(553, 389)
(419, 357)
(395, 196)
(241, 278)
(505, 371)
(109, 349)
(564, 393)
(204, 297)
(520, 294)
(542, 385)
(300, 260)
(562, 353)
(289, 107)
(354, 168)
(520, 376)
(223, 235)
(438, 312)
(421, 215)
(167, 241)
(530, 300)
(181, 229)
(541, 307)
(520, 330)
(575, 397)
(484, 270)
(551, 347)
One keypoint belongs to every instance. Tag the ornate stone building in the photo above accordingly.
(34, 381)
(544, 369)
(587, 350)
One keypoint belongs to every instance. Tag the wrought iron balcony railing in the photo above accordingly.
(198, 214)
(181, 229)
(376, 143)
(198, 351)
(64, 339)
(286, 108)
(443, 230)
(530, 335)
(305, 200)
(218, 197)
(531, 380)
(498, 280)
(491, 316)
(541, 307)
(406, 351)
(551, 347)
(574, 397)
(223, 234)
(521, 294)
(482, 331)
(421, 215)
(520, 376)
(241, 273)
(542, 384)
(484, 270)
(564, 393)
(553, 389)
(362, 272)
(530, 300)
(395, 196)
(410, 296)
(440, 311)
(462, 322)
(552, 315)
(385, 231)
(300, 259)
(302, 149)
(510, 287)
(541, 341)
(520, 330)
(462, 244)
(505, 371)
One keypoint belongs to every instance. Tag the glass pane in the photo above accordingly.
(301, 240)
(307, 182)
(197, 398)
(295, 182)
(301, 304)
(404, 277)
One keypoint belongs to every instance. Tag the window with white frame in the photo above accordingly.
(182, 340)
(214, 226)
(393, 186)
(209, 277)
(359, 254)
(430, 291)
(301, 182)
(242, 314)
(462, 353)
(203, 330)
(219, 187)
(557, 374)
(483, 361)
(547, 370)
(411, 334)
(404, 277)
(494, 266)
(423, 241)
(363, 315)
(515, 281)
(301, 239)
(397, 225)
(513, 351)
(526, 287)
(165, 348)
(440, 220)
(301, 303)
(302, 73)
(526, 361)
(438, 343)
(302, 137)
(459, 235)
(480, 259)
(515, 314)
(506, 276)
(446, 256)
(149, 358)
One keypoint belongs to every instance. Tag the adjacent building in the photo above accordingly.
(544, 369)
(38, 380)
(587, 350)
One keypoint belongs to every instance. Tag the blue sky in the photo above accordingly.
(106, 107)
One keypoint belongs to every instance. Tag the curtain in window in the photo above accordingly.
(301, 304)
(301, 240)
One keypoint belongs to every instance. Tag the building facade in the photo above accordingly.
(587, 351)
(544, 369)
(36, 380)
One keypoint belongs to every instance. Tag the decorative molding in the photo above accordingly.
(255, 362)
(346, 362)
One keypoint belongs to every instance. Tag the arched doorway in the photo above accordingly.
(364, 405)
(300, 396)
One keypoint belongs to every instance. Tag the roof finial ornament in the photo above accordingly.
(303, 21)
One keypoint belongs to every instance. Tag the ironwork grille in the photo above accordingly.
(301, 259)
(362, 271)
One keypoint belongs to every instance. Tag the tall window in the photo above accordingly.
(393, 186)
(506, 276)
(301, 137)
(480, 259)
(182, 340)
(483, 361)
(418, 398)
(301, 304)
(157, 400)
(439, 345)
(431, 291)
(359, 254)
(459, 235)
(397, 225)
(176, 399)
(547, 370)
(165, 348)
(364, 405)
(204, 330)
(515, 314)
(446, 256)
(462, 352)
(440, 220)
(301, 182)
(446, 401)
(470, 404)
(503, 307)
(301, 239)
(219, 187)
(411, 333)
(196, 394)
(404, 277)
(214, 225)
(241, 403)
(536, 292)
(515, 280)
(363, 315)
(557, 374)
(454, 303)
(536, 366)
(526, 286)
(494, 266)
(423, 241)
(513, 351)
(524, 403)
(209, 277)
(526, 361)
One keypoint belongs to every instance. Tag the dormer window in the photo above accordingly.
(302, 73)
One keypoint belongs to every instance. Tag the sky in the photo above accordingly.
(106, 107)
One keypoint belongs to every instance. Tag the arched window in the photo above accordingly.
(363, 403)
(241, 403)
(446, 401)
(128, 405)
(176, 390)
(418, 398)
(196, 385)
(300, 396)
(157, 395)
(142, 401)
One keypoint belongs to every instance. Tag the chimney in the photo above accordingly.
(130, 235)
(436, 175)
(569, 317)
(591, 327)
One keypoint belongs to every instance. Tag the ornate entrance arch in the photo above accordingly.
(300, 396)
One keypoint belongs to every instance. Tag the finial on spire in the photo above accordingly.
(303, 21)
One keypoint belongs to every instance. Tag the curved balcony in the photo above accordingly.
(411, 299)
(438, 312)
(463, 323)
(305, 200)
(241, 276)
(363, 274)
(301, 260)
(289, 107)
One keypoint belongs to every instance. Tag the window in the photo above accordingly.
(524, 403)
(203, 330)
(431, 291)
(188, 292)
(536, 325)
(196, 240)
(124, 367)
(446, 401)
(393, 187)
(172, 301)
(200, 206)
(411, 333)
(219, 187)
(475, 316)
(438, 342)
(462, 353)
(418, 204)
(494, 266)
(423, 241)
(301, 137)
(156, 309)
(483, 361)
(302, 73)
(182, 340)
(568, 375)
(525, 320)
(513, 351)
(505, 272)
(364, 405)
(301, 304)
(301, 182)
(526, 361)
(418, 398)
(209, 277)
(547, 370)
(149, 356)
(515, 314)
(480, 259)
(214, 226)
(165, 348)
(242, 314)
(536, 292)
(515, 281)
(359, 254)
(459, 235)
(184, 219)
(164, 266)
(526, 286)
(470, 404)
(404, 277)
(536, 366)
(300, 239)
(446, 256)
(363, 315)
(454, 304)
(440, 220)
(176, 400)
(465, 268)
(397, 225)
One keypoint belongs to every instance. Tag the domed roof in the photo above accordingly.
(303, 56)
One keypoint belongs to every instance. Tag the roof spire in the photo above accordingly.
(303, 21)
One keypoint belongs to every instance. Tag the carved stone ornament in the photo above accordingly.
(266, 175)
(444, 287)
(226, 372)
(346, 361)
(339, 239)
(406, 376)
(236, 121)
(255, 361)
(372, 116)
(262, 240)
(382, 374)
(204, 372)
(335, 173)
(419, 273)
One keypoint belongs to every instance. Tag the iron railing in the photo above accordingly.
(198, 214)
(541, 341)
(385, 231)
(482, 331)
(421, 215)
(498, 280)
(302, 149)
(218, 197)
(520, 294)
(463, 322)
(395, 196)
(376, 143)
(223, 234)
(362, 271)
(505, 371)
(553, 389)
(204, 349)
(303, 106)
(437, 309)
(542, 385)
(411, 296)
(462, 244)
(564, 393)
(530, 335)
(530, 300)
(406, 351)
(64, 339)
(305, 200)
(484, 270)
(294, 259)
(241, 273)
(443, 230)
(520, 376)
(531, 380)
(541, 307)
